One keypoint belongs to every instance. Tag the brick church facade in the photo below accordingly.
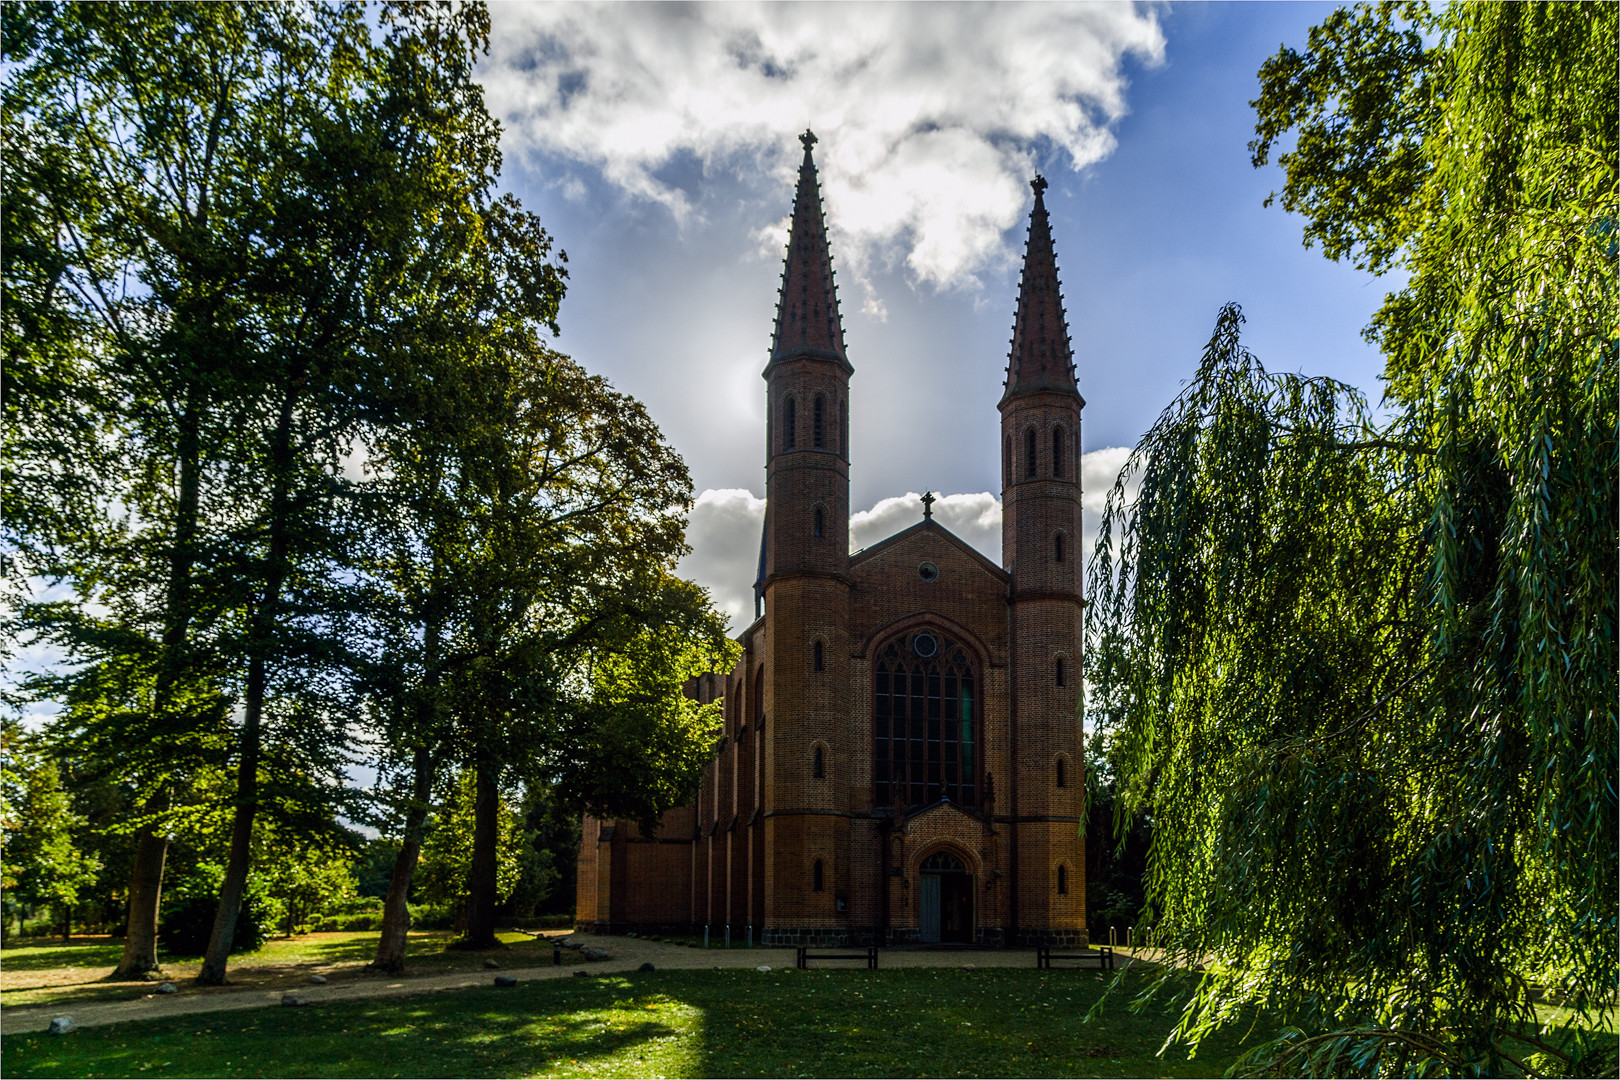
(902, 756)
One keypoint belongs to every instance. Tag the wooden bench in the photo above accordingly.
(1102, 954)
(805, 956)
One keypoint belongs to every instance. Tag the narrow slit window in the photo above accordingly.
(816, 877)
(790, 425)
(1062, 673)
(818, 766)
(1059, 453)
(1063, 880)
(1007, 463)
(1029, 454)
(816, 652)
(1062, 777)
(815, 427)
(1057, 547)
(820, 522)
(843, 427)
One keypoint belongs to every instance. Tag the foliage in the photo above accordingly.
(447, 852)
(44, 863)
(189, 907)
(1368, 671)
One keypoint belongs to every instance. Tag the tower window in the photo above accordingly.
(1007, 463)
(790, 425)
(820, 521)
(1029, 454)
(1059, 453)
(1063, 880)
(1057, 547)
(815, 427)
(843, 427)
(818, 768)
(816, 651)
(1062, 673)
(815, 877)
(1062, 774)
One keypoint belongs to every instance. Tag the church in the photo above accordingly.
(902, 757)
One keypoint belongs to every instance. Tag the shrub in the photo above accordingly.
(189, 910)
(439, 916)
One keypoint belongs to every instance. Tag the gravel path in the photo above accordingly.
(625, 954)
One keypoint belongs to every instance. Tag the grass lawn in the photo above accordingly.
(45, 971)
(902, 1022)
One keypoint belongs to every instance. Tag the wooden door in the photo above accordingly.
(930, 907)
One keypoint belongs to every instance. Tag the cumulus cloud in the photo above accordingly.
(725, 524)
(930, 115)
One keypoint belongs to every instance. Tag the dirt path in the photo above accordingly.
(625, 954)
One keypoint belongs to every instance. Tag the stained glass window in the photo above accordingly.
(924, 722)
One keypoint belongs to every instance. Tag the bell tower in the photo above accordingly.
(805, 587)
(1040, 534)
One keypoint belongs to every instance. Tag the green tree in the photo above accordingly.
(1369, 670)
(44, 863)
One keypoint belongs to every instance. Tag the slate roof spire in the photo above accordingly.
(1041, 357)
(807, 318)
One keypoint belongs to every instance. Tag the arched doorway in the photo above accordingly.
(947, 899)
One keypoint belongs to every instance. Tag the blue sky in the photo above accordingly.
(658, 145)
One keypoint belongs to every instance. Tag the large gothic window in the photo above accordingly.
(925, 723)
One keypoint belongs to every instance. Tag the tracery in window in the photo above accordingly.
(815, 426)
(1029, 454)
(924, 722)
(1059, 453)
(790, 425)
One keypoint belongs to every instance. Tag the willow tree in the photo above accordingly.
(1367, 670)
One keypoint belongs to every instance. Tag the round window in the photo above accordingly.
(925, 645)
(928, 571)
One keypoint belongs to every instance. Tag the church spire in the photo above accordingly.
(1041, 358)
(807, 319)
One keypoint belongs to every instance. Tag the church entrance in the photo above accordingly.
(947, 899)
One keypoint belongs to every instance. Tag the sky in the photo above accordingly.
(659, 146)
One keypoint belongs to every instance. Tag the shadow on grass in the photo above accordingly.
(41, 954)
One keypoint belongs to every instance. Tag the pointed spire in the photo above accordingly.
(1041, 358)
(807, 319)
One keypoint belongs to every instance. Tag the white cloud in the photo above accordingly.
(929, 115)
(725, 524)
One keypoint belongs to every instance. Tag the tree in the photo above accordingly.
(1369, 669)
(44, 864)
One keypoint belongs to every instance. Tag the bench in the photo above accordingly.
(805, 956)
(1102, 954)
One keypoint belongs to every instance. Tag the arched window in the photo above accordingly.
(815, 877)
(816, 651)
(1061, 672)
(1063, 880)
(1029, 454)
(815, 426)
(843, 427)
(1007, 463)
(1060, 461)
(1057, 547)
(924, 723)
(1062, 777)
(820, 521)
(790, 425)
(818, 767)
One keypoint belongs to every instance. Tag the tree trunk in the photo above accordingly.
(481, 877)
(396, 916)
(247, 804)
(145, 895)
(67, 923)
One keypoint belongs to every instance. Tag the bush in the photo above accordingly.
(189, 910)
(440, 916)
(362, 922)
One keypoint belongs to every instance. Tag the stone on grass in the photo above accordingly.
(763, 968)
(505, 980)
(492, 964)
(294, 1000)
(167, 988)
(582, 974)
(655, 937)
(632, 934)
(317, 980)
(63, 1025)
(970, 967)
(646, 967)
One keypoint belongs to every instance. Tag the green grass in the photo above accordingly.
(904, 1022)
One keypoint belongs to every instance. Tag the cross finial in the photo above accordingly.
(808, 138)
(1039, 184)
(928, 505)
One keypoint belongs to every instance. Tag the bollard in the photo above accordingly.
(750, 935)
(556, 953)
(705, 935)
(728, 935)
